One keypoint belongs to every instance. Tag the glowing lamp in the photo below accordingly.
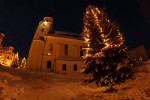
(49, 54)
(45, 23)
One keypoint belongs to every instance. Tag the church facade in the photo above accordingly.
(55, 51)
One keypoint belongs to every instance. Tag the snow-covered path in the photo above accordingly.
(39, 85)
(16, 84)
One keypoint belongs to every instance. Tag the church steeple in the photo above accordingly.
(47, 20)
(44, 27)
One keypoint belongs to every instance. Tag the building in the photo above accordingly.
(55, 51)
(7, 54)
(148, 53)
(137, 53)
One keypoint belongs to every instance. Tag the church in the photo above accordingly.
(55, 51)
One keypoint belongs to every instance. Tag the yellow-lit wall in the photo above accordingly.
(35, 54)
(35, 59)
(58, 53)
(6, 55)
(69, 66)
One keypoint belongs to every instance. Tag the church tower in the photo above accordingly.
(35, 55)
(44, 27)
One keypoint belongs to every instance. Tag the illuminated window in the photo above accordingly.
(81, 51)
(50, 52)
(64, 67)
(66, 49)
(75, 67)
(48, 64)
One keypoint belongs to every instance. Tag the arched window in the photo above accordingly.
(50, 52)
(66, 49)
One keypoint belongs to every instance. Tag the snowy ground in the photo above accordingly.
(16, 84)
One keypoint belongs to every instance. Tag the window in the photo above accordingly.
(48, 64)
(42, 30)
(64, 67)
(66, 49)
(75, 67)
(50, 52)
(81, 51)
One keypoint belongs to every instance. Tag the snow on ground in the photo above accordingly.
(17, 84)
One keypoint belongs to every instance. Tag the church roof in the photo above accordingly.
(64, 34)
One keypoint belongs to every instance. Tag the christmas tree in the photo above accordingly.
(15, 61)
(23, 63)
(104, 49)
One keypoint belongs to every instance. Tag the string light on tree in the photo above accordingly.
(102, 41)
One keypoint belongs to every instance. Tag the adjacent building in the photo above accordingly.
(55, 51)
(138, 53)
(7, 54)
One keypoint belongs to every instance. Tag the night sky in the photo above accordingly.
(19, 19)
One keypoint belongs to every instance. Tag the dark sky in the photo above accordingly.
(19, 19)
